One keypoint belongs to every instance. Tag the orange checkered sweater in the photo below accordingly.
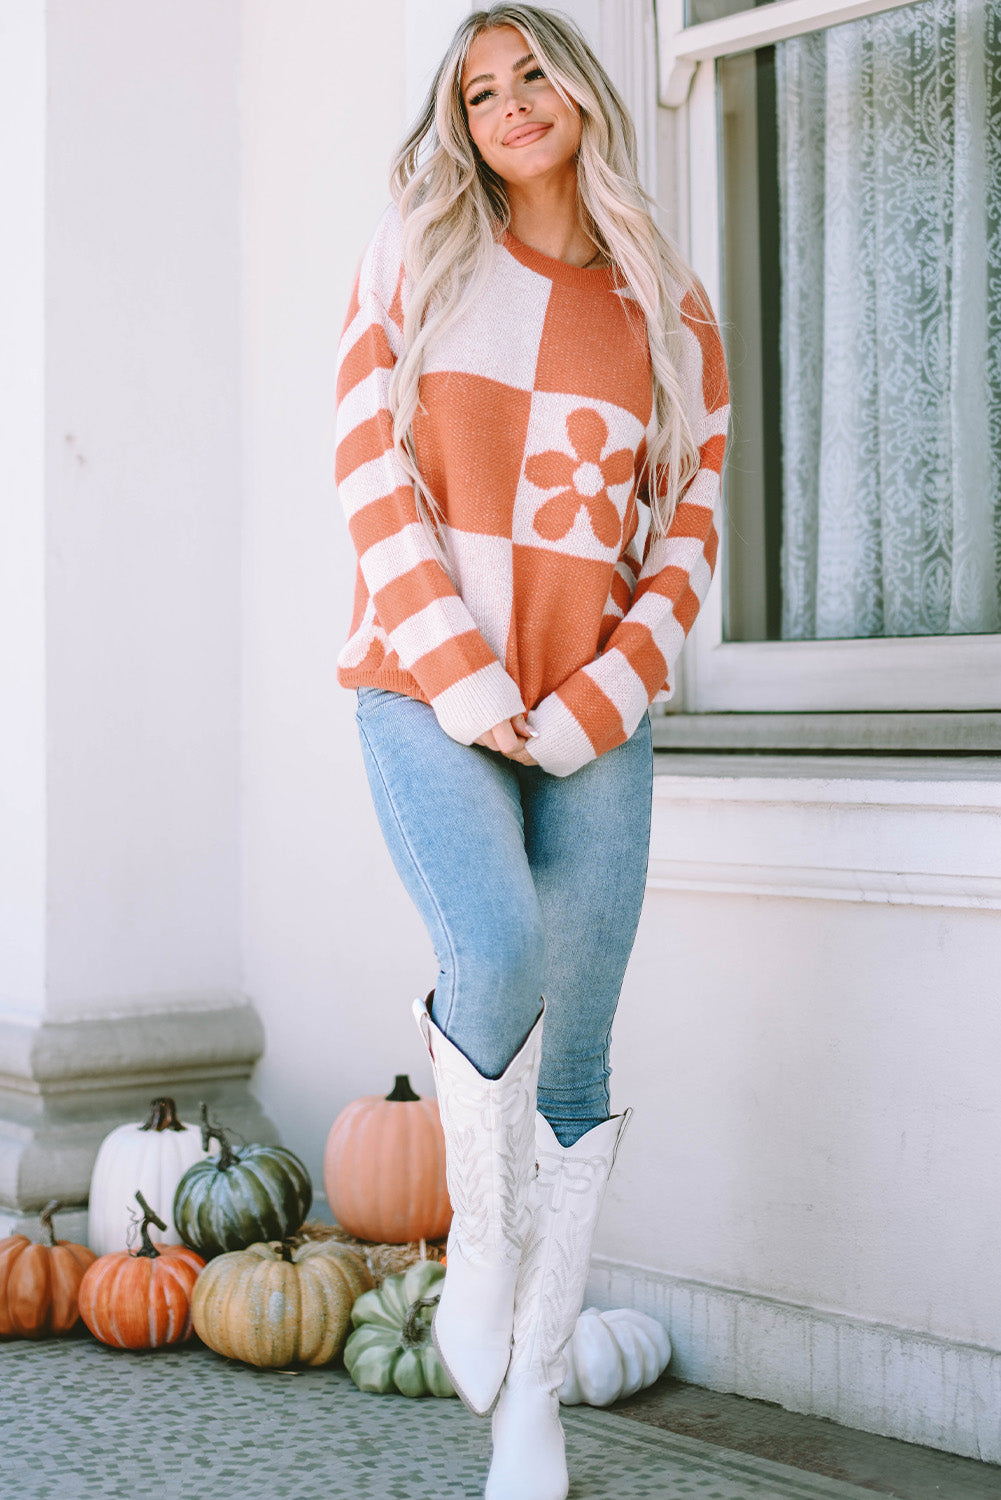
(535, 412)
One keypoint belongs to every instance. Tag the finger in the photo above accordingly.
(508, 741)
(486, 739)
(524, 728)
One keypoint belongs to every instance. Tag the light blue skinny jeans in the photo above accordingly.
(529, 885)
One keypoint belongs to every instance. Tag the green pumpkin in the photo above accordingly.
(391, 1348)
(240, 1196)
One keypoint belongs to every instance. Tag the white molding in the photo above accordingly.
(961, 784)
(922, 888)
(674, 73)
(682, 47)
(876, 1377)
(909, 835)
(703, 188)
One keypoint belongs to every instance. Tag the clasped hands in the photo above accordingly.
(509, 739)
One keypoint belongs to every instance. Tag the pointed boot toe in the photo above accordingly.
(472, 1328)
(477, 1372)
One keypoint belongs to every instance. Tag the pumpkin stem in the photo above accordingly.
(45, 1219)
(147, 1248)
(415, 1328)
(402, 1092)
(287, 1247)
(162, 1116)
(210, 1133)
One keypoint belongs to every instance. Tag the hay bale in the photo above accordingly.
(382, 1260)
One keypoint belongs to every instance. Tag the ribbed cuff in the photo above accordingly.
(562, 746)
(476, 703)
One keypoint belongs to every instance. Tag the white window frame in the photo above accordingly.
(922, 673)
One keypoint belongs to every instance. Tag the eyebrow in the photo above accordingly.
(489, 77)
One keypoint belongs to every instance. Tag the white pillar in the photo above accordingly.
(22, 556)
(120, 593)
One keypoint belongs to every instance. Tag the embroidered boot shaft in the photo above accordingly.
(529, 1458)
(489, 1126)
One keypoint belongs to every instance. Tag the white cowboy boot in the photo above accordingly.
(529, 1457)
(489, 1126)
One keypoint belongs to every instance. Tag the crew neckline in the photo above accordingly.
(596, 278)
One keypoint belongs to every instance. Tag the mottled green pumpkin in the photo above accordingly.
(240, 1196)
(272, 1305)
(391, 1348)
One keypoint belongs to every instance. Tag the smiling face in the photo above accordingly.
(518, 122)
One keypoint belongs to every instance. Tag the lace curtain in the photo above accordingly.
(890, 227)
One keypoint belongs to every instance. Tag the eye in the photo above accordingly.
(533, 75)
(479, 98)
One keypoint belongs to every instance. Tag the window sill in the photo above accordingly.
(884, 733)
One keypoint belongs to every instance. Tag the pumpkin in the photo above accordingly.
(141, 1299)
(384, 1168)
(274, 1305)
(39, 1283)
(612, 1355)
(240, 1196)
(152, 1157)
(390, 1348)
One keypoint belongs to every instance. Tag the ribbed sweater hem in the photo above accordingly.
(393, 681)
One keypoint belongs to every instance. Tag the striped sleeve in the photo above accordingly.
(601, 705)
(415, 602)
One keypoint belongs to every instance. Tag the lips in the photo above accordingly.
(524, 135)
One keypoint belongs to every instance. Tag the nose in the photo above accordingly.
(514, 104)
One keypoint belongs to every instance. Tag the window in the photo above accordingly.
(845, 209)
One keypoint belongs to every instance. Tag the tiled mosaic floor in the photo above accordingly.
(79, 1421)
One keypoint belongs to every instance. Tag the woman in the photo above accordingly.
(532, 410)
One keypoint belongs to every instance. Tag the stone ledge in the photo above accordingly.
(65, 1084)
(49, 1057)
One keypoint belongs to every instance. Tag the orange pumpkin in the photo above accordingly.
(141, 1299)
(384, 1168)
(39, 1283)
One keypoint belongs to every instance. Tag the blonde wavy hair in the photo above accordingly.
(453, 206)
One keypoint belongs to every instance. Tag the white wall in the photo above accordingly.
(815, 1087)
(332, 949)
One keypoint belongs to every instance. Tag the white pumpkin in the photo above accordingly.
(150, 1158)
(613, 1354)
